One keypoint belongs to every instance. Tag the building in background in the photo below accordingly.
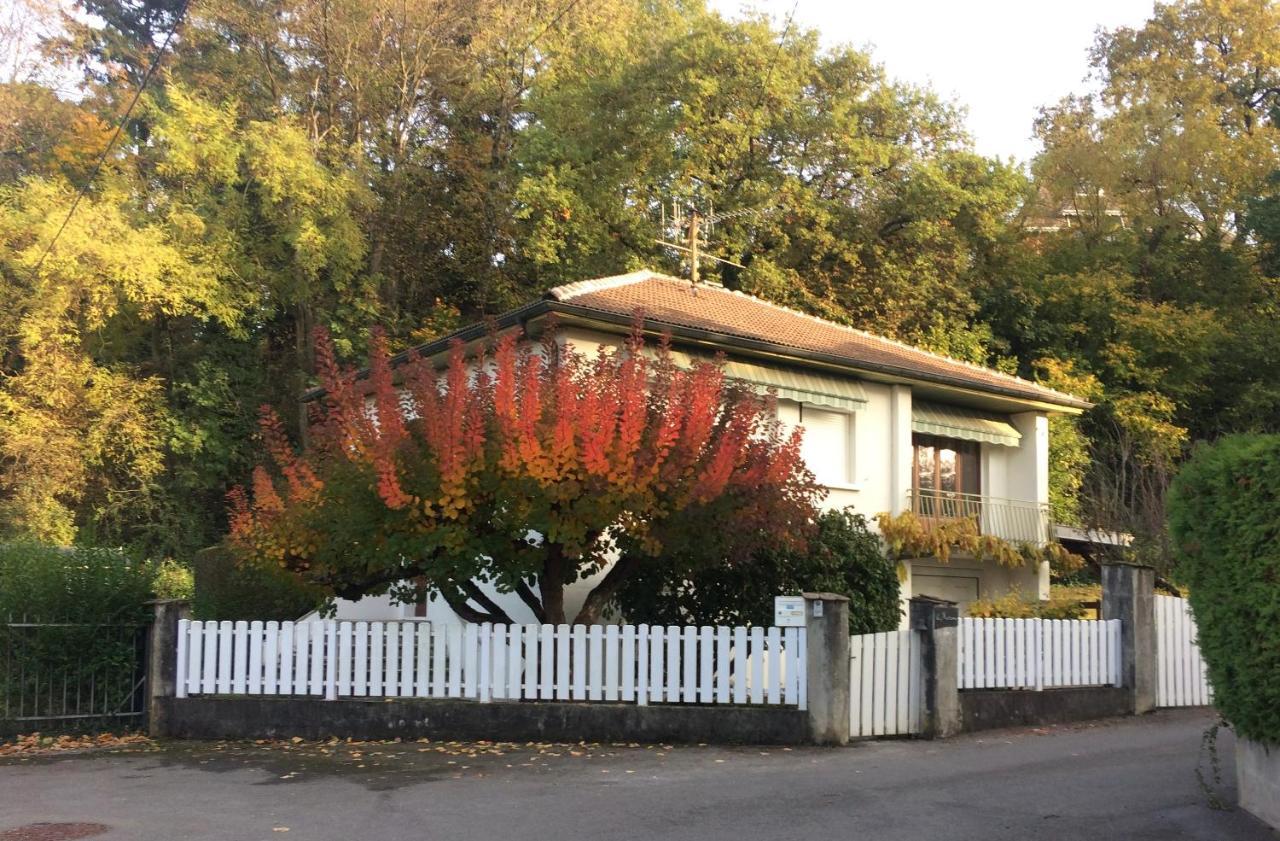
(887, 427)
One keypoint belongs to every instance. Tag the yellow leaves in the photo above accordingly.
(198, 139)
(910, 536)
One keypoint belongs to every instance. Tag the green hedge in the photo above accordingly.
(73, 584)
(228, 589)
(1224, 517)
(844, 557)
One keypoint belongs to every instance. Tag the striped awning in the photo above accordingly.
(811, 387)
(966, 424)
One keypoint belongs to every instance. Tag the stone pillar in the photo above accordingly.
(827, 667)
(899, 447)
(162, 660)
(937, 622)
(1128, 594)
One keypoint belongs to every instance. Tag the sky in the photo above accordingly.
(1001, 59)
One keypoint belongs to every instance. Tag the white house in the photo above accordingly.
(888, 427)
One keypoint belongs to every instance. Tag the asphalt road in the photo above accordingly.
(1123, 779)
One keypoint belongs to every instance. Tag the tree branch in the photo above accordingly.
(457, 600)
(531, 600)
(600, 596)
(496, 613)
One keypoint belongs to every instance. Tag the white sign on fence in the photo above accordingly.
(788, 611)
(637, 664)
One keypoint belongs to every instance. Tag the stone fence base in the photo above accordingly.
(987, 709)
(314, 718)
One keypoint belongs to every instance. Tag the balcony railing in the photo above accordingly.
(1017, 520)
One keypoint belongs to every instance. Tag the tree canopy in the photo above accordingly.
(343, 164)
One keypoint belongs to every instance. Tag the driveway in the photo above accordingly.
(1121, 779)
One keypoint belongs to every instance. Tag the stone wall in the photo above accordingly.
(987, 709)
(315, 718)
(1258, 779)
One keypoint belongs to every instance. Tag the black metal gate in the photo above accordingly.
(58, 676)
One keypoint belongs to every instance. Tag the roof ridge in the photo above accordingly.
(612, 282)
(599, 284)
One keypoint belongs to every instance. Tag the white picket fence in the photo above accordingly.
(1038, 653)
(1181, 680)
(629, 663)
(886, 684)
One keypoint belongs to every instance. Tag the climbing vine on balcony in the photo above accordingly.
(908, 535)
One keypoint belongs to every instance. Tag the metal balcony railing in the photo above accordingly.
(1017, 520)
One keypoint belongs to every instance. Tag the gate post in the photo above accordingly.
(162, 660)
(827, 667)
(937, 623)
(1128, 594)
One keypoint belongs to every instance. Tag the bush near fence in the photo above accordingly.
(1224, 511)
(844, 556)
(71, 644)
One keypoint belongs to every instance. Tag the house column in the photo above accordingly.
(900, 451)
(1028, 476)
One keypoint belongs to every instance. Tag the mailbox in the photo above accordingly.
(788, 611)
(928, 613)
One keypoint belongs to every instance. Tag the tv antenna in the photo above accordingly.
(691, 224)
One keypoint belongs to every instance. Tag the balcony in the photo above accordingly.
(1015, 520)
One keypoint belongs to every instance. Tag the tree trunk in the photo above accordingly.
(551, 583)
(602, 594)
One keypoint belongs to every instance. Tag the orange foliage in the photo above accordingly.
(465, 461)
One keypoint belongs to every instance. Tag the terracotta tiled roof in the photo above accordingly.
(671, 301)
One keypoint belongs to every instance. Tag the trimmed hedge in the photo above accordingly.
(1224, 517)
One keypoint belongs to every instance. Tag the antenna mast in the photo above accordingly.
(693, 245)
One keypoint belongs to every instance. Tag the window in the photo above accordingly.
(946, 466)
(828, 445)
(945, 480)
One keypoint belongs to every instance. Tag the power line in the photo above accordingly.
(106, 150)
(768, 76)
(568, 7)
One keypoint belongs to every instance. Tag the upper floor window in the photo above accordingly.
(828, 445)
(945, 465)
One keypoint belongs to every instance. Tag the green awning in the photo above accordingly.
(966, 424)
(811, 387)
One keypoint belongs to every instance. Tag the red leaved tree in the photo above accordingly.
(528, 467)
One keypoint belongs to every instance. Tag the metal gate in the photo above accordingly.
(69, 676)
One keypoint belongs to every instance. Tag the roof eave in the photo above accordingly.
(1058, 403)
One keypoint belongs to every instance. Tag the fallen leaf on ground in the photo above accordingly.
(36, 743)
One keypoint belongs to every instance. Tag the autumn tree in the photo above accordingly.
(524, 469)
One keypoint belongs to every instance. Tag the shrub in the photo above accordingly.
(73, 584)
(1224, 518)
(844, 557)
(173, 580)
(1014, 606)
(226, 588)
